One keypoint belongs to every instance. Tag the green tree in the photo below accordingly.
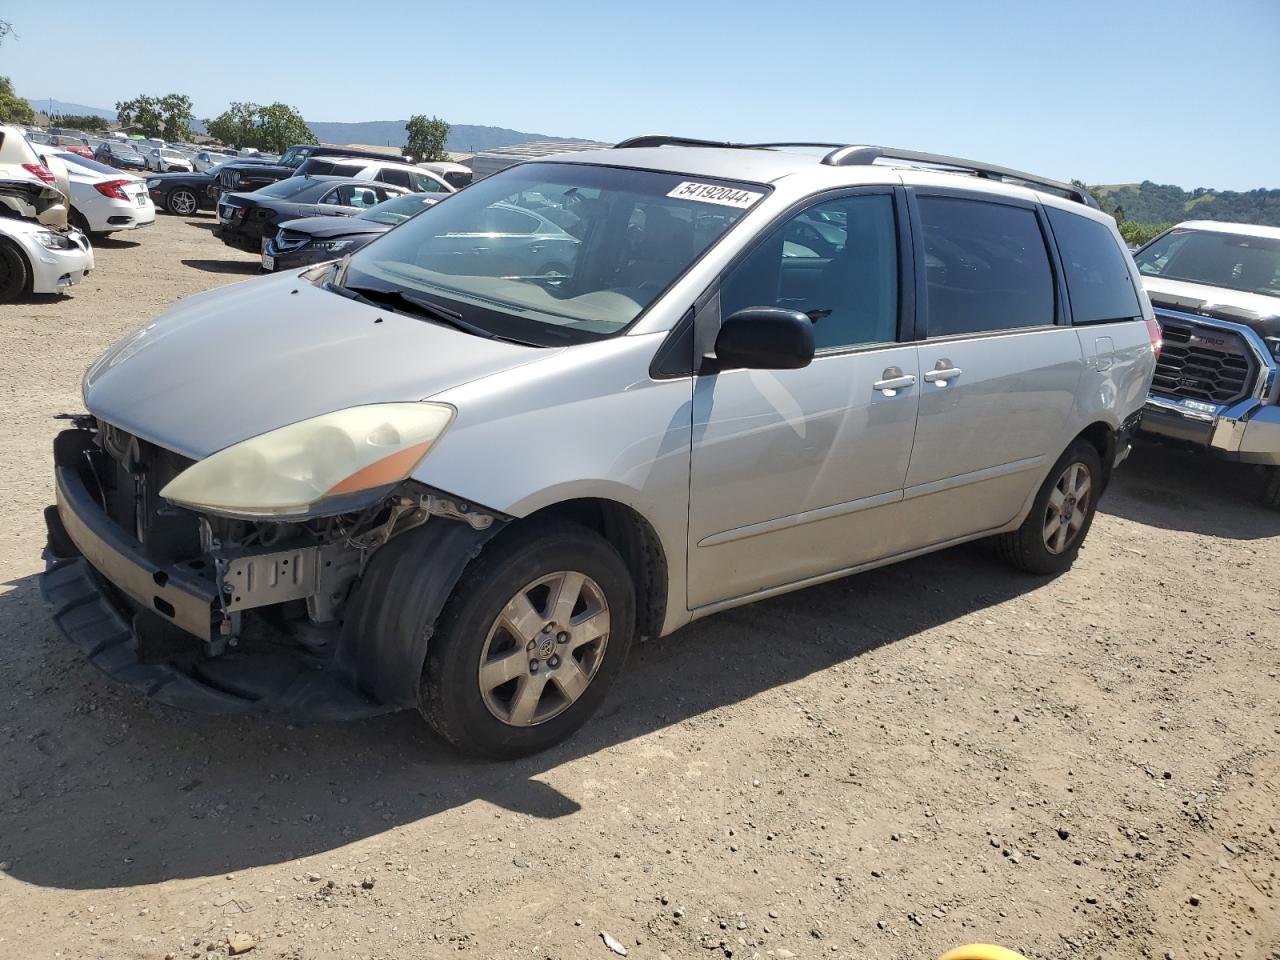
(13, 108)
(168, 116)
(86, 122)
(426, 138)
(275, 127)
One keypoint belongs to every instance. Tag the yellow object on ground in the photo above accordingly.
(981, 951)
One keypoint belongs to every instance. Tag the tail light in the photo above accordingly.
(40, 171)
(111, 188)
(1157, 337)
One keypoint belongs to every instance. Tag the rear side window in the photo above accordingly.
(394, 175)
(986, 265)
(1097, 270)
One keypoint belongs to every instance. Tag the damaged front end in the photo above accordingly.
(215, 614)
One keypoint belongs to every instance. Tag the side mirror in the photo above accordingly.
(765, 338)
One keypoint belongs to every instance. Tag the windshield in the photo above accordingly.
(283, 189)
(1230, 260)
(397, 209)
(294, 156)
(569, 251)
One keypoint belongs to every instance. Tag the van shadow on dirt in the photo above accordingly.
(101, 789)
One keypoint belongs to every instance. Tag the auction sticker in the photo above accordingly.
(715, 193)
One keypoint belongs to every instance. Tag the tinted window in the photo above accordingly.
(351, 195)
(986, 266)
(837, 262)
(1097, 269)
(1230, 260)
(394, 175)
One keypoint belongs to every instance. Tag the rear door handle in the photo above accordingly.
(894, 380)
(942, 372)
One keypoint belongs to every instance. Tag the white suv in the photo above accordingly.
(405, 175)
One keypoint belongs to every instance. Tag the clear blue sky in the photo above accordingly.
(1177, 91)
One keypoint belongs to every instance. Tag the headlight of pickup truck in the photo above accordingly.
(294, 470)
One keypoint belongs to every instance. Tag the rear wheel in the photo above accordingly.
(182, 202)
(14, 273)
(533, 637)
(1050, 538)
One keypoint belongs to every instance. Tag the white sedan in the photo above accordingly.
(164, 160)
(35, 259)
(103, 199)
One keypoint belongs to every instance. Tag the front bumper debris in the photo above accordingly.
(163, 628)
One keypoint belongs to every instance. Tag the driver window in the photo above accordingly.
(836, 261)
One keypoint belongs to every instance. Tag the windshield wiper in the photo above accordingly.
(398, 299)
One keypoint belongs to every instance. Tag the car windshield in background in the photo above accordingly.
(1234, 261)
(554, 252)
(294, 156)
(397, 209)
(283, 189)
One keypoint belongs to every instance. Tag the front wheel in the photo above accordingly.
(14, 274)
(182, 202)
(530, 642)
(1050, 538)
(1271, 489)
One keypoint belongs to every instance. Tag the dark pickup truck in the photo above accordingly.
(247, 177)
(1216, 292)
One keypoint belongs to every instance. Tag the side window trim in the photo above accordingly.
(907, 298)
(1061, 316)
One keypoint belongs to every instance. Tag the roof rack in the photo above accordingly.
(852, 155)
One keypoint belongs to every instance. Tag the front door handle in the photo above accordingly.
(893, 381)
(942, 372)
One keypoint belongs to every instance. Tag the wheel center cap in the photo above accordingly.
(547, 646)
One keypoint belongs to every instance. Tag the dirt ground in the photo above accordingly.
(933, 754)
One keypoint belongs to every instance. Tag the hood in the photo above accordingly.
(334, 226)
(1255, 310)
(228, 364)
(37, 200)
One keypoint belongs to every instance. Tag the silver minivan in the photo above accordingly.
(465, 477)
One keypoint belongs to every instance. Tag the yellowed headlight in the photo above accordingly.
(295, 469)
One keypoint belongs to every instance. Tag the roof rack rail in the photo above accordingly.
(662, 140)
(852, 155)
(860, 155)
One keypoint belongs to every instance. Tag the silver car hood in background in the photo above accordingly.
(225, 365)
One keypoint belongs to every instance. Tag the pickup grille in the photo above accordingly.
(1203, 363)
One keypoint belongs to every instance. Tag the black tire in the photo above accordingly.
(1271, 489)
(1027, 548)
(15, 276)
(77, 220)
(182, 202)
(450, 694)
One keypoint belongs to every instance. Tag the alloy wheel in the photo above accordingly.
(544, 648)
(1068, 508)
(183, 203)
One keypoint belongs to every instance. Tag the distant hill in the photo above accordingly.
(463, 137)
(1149, 202)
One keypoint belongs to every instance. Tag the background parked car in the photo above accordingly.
(244, 219)
(35, 259)
(20, 163)
(251, 178)
(103, 200)
(386, 171)
(120, 154)
(166, 160)
(315, 239)
(185, 193)
(457, 175)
